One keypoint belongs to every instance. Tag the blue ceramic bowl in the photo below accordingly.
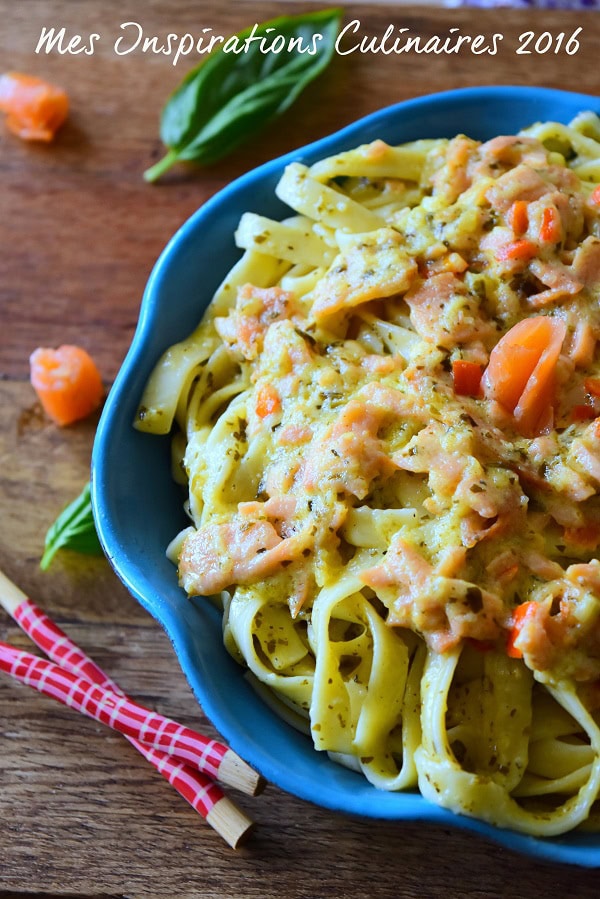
(138, 508)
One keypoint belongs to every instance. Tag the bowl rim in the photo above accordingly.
(549, 849)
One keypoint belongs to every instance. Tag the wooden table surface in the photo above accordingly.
(82, 814)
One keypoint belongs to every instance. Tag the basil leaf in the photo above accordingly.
(230, 96)
(73, 529)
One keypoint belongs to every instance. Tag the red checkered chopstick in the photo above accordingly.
(209, 756)
(196, 787)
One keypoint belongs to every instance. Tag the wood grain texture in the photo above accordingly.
(82, 814)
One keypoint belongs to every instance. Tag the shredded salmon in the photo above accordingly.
(444, 312)
(242, 550)
(374, 268)
(256, 309)
(350, 455)
(559, 280)
(445, 610)
(583, 344)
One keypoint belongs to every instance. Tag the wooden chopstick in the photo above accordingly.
(71, 662)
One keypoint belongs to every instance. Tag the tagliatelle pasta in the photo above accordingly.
(388, 422)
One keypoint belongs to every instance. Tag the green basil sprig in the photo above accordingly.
(230, 96)
(73, 529)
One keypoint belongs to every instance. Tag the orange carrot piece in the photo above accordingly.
(466, 377)
(521, 371)
(520, 615)
(67, 382)
(595, 196)
(518, 249)
(34, 109)
(551, 226)
(267, 401)
(518, 217)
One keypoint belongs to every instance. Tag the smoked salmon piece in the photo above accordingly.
(67, 382)
(34, 109)
(520, 374)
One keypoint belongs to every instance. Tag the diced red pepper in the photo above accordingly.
(551, 227)
(467, 377)
(518, 217)
(518, 249)
(520, 615)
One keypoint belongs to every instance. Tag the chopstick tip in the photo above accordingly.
(237, 773)
(230, 822)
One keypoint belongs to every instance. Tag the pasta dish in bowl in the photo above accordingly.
(386, 428)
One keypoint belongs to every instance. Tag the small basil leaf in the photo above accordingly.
(73, 529)
(229, 96)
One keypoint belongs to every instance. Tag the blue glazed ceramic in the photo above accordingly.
(138, 509)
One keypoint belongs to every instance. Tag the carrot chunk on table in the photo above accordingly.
(34, 109)
(67, 382)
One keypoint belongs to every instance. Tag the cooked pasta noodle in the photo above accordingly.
(388, 421)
